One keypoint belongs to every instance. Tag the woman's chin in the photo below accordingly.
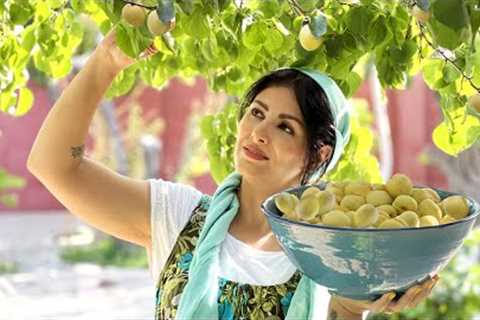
(247, 169)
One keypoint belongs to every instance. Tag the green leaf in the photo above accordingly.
(269, 8)
(186, 6)
(474, 14)
(8, 181)
(340, 69)
(445, 36)
(309, 5)
(254, 36)
(78, 5)
(223, 4)
(451, 13)
(206, 126)
(398, 23)
(55, 4)
(7, 100)
(432, 71)
(9, 200)
(124, 40)
(28, 38)
(25, 102)
(455, 140)
(450, 73)
(197, 26)
(274, 41)
(123, 82)
(409, 48)
(245, 57)
(20, 12)
(42, 11)
(379, 32)
(473, 133)
(213, 147)
(391, 72)
(354, 81)
(359, 21)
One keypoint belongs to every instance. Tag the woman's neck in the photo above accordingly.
(250, 214)
(250, 224)
(250, 217)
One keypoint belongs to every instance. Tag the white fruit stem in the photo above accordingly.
(379, 105)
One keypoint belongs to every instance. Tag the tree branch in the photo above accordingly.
(296, 8)
(139, 4)
(444, 56)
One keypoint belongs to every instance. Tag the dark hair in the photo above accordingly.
(315, 110)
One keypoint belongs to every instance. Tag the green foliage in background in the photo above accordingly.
(457, 295)
(220, 131)
(7, 267)
(7, 182)
(109, 251)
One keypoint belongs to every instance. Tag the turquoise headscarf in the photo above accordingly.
(199, 297)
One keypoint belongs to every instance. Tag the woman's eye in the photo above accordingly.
(256, 112)
(286, 128)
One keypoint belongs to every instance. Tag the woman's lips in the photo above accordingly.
(254, 155)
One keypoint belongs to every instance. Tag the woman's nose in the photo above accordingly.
(260, 134)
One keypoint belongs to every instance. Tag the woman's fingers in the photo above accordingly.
(414, 295)
(381, 304)
(406, 299)
(427, 289)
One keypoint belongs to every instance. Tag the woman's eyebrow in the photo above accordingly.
(281, 115)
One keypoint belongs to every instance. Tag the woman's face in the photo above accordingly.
(271, 140)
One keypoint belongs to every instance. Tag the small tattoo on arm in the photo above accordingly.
(77, 152)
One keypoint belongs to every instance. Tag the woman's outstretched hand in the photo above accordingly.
(349, 309)
(114, 57)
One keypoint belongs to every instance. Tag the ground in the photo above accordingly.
(46, 288)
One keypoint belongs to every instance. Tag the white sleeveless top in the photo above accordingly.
(171, 207)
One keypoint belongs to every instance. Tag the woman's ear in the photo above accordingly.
(325, 152)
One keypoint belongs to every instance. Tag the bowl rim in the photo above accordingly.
(320, 226)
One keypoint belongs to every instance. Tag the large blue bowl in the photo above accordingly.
(366, 263)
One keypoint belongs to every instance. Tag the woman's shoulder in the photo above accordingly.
(161, 186)
(173, 203)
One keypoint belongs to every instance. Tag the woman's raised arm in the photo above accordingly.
(112, 203)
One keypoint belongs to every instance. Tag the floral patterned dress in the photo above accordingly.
(235, 300)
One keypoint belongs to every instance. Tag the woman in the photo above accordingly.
(210, 256)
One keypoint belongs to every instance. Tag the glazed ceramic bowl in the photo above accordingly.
(366, 263)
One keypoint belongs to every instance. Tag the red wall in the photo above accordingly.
(15, 143)
(413, 115)
(416, 114)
